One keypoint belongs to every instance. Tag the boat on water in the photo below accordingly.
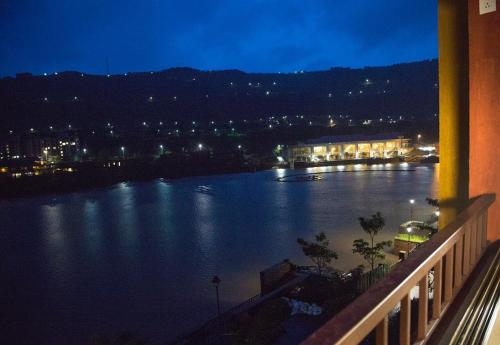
(300, 178)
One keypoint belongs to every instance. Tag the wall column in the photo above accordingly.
(484, 69)
(453, 108)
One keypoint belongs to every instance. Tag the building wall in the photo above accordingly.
(484, 68)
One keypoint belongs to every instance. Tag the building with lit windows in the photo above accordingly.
(331, 149)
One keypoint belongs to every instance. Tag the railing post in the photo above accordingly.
(382, 332)
(485, 229)
(437, 287)
(448, 276)
(479, 235)
(458, 263)
(405, 321)
(473, 230)
(466, 249)
(423, 297)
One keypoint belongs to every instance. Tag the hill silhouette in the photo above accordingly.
(178, 94)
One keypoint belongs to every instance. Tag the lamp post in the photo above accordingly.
(216, 281)
(161, 149)
(412, 201)
(408, 229)
(123, 151)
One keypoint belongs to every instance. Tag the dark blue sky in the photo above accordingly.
(252, 35)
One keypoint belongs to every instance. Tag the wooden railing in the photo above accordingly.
(451, 254)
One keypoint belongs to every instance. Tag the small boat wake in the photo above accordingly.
(205, 189)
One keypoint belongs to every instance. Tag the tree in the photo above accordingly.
(370, 251)
(432, 202)
(318, 251)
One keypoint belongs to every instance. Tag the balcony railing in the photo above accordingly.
(451, 254)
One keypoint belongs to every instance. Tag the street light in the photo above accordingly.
(123, 151)
(216, 281)
(437, 213)
(200, 146)
(408, 229)
(412, 201)
(161, 149)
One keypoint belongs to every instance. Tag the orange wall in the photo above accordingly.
(484, 68)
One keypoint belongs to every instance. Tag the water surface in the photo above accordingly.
(139, 257)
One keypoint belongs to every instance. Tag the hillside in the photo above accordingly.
(84, 100)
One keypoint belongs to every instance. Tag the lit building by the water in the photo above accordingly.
(331, 149)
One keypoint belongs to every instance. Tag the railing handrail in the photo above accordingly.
(358, 319)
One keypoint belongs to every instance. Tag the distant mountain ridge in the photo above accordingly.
(178, 94)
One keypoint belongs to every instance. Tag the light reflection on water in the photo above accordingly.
(140, 256)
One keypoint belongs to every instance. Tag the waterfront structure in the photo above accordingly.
(329, 149)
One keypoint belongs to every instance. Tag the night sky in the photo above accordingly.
(251, 35)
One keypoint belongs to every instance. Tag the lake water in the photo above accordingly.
(140, 257)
